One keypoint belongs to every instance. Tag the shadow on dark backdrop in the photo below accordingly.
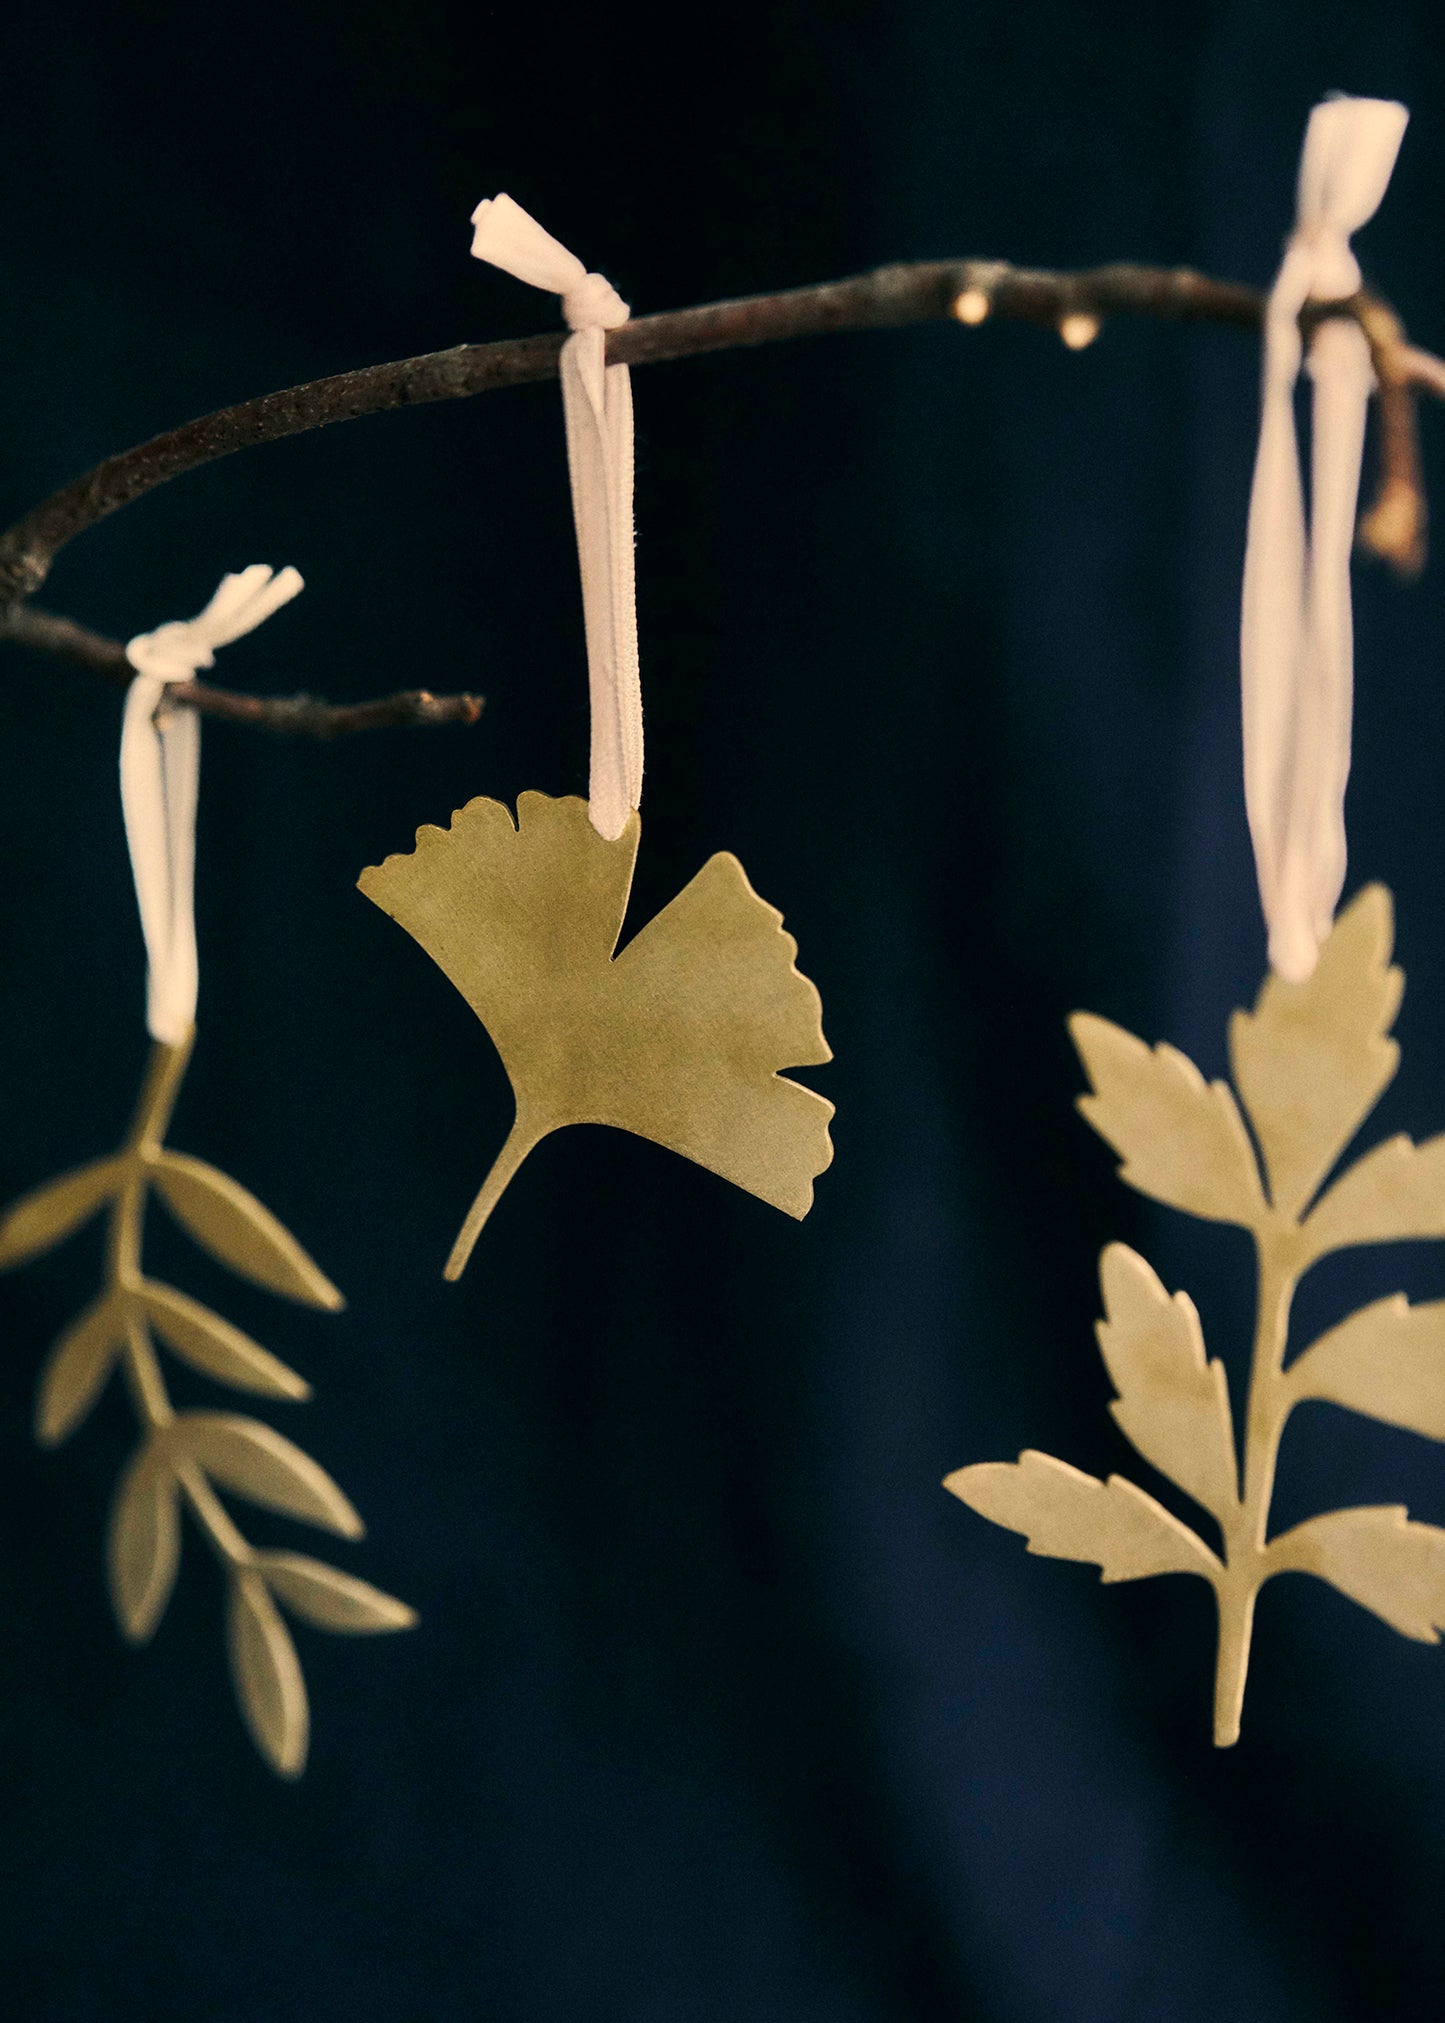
(720, 1708)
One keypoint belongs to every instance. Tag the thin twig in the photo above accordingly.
(290, 715)
(1394, 526)
(890, 296)
(969, 290)
(312, 717)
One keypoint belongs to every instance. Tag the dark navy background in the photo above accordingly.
(720, 1707)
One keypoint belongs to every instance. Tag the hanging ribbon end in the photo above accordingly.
(609, 816)
(1293, 953)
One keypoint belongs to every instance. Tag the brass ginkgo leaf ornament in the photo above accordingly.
(186, 1457)
(1309, 1063)
(679, 1038)
(683, 1035)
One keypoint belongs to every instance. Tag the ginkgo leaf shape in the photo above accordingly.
(680, 1038)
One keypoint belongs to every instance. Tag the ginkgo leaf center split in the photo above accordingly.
(679, 1038)
(1309, 1063)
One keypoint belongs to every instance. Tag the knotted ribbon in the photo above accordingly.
(597, 404)
(160, 766)
(1296, 641)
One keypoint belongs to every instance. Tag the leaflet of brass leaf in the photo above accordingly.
(680, 1038)
(184, 1458)
(1310, 1063)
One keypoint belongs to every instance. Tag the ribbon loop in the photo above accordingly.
(160, 765)
(597, 407)
(1296, 641)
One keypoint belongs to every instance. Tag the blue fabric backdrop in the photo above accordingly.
(720, 1708)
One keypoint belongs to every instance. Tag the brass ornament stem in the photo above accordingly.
(143, 1376)
(147, 1386)
(185, 1458)
(165, 1072)
(224, 1538)
(145, 1379)
(127, 1220)
(1277, 1246)
(1236, 1628)
(521, 1139)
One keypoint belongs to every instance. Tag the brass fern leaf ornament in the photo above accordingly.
(681, 1037)
(188, 1460)
(1309, 1062)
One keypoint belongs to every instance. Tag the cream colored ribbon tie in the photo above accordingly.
(597, 404)
(160, 767)
(1296, 639)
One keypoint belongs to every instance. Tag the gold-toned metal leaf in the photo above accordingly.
(255, 1461)
(266, 1672)
(1386, 1361)
(229, 1222)
(332, 1600)
(144, 1540)
(681, 1038)
(1311, 1061)
(186, 1458)
(1394, 1194)
(1066, 1514)
(40, 1220)
(1173, 1403)
(1312, 1058)
(215, 1348)
(1180, 1138)
(1379, 1559)
(75, 1372)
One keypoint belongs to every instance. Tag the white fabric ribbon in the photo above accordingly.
(597, 403)
(160, 766)
(1296, 640)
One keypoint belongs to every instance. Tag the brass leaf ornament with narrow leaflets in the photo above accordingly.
(680, 1037)
(1309, 1064)
(186, 1458)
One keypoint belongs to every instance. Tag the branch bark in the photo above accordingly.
(289, 715)
(971, 291)
(890, 296)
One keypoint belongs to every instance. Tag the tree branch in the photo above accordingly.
(970, 291)
(292, 715)
(924, 292)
